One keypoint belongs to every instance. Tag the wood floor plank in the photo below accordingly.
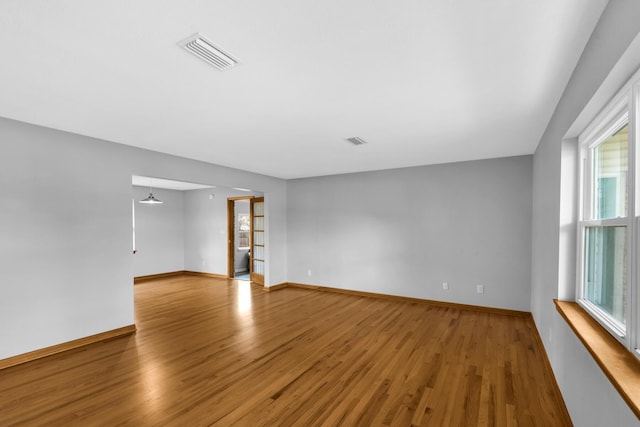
(210, 351)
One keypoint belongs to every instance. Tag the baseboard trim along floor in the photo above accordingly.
(66, 346)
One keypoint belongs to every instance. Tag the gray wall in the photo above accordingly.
(159, 232)
(206, 229)
(405, 231)
(66, 267)
(590, 398)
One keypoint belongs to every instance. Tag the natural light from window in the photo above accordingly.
(606, 232)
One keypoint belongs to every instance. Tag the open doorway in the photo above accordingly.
(189, 231)
(239, 232)
(169, 234)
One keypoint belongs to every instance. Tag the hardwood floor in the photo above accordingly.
(216, 352)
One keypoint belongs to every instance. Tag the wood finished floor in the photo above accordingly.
(216, 352)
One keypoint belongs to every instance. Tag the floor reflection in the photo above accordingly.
(244, 297)
(245, 321)
(154, 383)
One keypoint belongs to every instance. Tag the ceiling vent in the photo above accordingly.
(356, 141)
(206, 50)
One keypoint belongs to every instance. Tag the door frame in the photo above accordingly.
(231, 235)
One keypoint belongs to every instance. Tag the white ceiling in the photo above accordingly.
(167, 184)
(424, 82)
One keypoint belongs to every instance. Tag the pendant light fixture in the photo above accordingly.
(151, 200)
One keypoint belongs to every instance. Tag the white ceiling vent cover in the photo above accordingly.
(356, 141)
(206, 50)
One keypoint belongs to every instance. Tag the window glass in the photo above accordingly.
(610, 166)
(244, 225)
(605, 275)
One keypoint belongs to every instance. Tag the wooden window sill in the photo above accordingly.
(618, 364)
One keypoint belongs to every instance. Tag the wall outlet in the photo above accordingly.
(480, 289)
(445, 286)
(309, 273)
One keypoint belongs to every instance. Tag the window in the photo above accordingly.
(605, 227)
(607, 232)
(244, 229)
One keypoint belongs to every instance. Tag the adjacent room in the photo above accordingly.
(184, 227)
(320, 213)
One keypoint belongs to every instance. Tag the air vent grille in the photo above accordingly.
(206, 50)
(356, 141)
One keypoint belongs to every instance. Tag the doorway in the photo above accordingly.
(239, 241)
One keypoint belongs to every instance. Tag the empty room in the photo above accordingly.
(320, 213)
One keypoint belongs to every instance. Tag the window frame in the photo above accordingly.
(622, 109)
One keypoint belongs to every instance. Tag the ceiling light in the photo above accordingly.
(356, 141)
(151, 200)
(241, 189)
(206, 50)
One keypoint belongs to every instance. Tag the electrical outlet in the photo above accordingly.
(309, 273)
(445, 286)
(480, 289)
